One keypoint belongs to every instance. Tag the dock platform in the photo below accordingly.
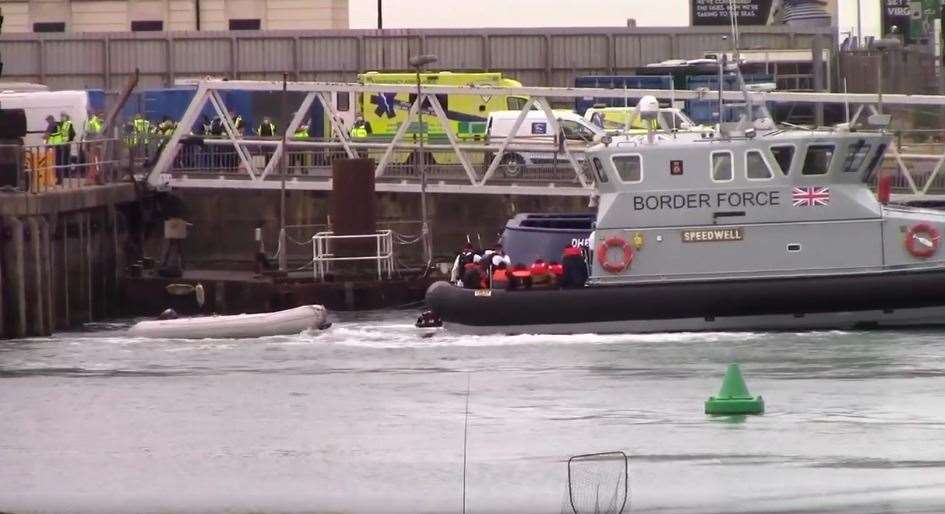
(236, 292)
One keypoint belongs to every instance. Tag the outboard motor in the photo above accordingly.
(429, 319)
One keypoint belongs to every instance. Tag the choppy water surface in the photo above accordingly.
(368, 416)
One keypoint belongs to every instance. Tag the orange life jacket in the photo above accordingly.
(556, 269)
(500, 278)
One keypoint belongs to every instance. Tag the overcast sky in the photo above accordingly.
(554, 13)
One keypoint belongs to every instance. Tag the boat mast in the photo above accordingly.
(738, 70)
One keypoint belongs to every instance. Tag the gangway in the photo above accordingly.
(456, 165)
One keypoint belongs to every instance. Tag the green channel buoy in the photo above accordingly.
(733, 397)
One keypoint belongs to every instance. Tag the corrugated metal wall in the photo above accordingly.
(539, 57)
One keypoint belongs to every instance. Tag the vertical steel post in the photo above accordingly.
(283, 258)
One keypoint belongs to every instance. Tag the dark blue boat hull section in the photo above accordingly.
(528, 237)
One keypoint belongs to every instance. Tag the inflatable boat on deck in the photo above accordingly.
(241, 326)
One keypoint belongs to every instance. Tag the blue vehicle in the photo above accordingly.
(616, 82)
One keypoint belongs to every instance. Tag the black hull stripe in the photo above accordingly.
(737, 297)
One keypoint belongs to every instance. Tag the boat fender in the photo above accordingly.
(922, 240)
(200, 294)
(623, 263)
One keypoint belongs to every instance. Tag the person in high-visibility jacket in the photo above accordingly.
(62, 137)
(301, 132)
(140, 130)
(94, 126)
(299, 158)
(360, 129)
(140, 136)
(52, 136)
(66, 129)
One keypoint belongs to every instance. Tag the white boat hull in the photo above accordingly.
(242, 326)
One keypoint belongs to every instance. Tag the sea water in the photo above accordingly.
(369, 416)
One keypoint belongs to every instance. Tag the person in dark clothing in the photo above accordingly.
(216, 126)
(267, 130)
(472, 276)
(575, 268)
(465, 256)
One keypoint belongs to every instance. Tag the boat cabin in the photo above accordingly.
(788, 203)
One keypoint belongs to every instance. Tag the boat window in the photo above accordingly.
(817, 160)
(874, 162)
(599, 169)
(628, 167)
(756, 167)
(783, 155)
(856, 154)
(722, 166)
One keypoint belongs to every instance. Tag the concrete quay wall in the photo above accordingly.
(61, 256)
(224, 220)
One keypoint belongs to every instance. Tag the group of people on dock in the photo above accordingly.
(492, 268)
(59, 136)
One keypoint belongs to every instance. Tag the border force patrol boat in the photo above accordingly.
(743, 230)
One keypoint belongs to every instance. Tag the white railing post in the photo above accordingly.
(383, 256)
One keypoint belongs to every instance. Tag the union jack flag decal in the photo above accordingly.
(810, 196)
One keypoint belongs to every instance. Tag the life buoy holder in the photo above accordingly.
(922, 240)
(623, 263)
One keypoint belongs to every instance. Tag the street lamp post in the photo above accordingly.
(418, 62)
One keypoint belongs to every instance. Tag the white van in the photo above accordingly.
(628, 119)
(536, 131)
(40, 104)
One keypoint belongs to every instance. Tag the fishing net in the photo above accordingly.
(598, 483)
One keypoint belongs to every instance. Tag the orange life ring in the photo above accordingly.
(922, 240)
(614, 242)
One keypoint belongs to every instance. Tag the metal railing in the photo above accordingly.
(323, 256)
(456, 160)
(312, 166)
(67, 166)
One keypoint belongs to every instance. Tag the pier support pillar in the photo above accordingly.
(15, 283)
(33, 266)
(62, 228)
(49, 309)
(115, 263)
